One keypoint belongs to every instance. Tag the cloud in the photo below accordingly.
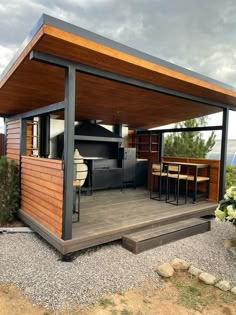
(196, 34)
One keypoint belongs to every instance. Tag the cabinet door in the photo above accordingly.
(100, 179)
(115, 178)
(129, 165)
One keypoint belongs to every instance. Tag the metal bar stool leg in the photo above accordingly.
(186, 190)
(160, 187)
(78, 202)
(74, 199)
(167, 189)
(151, 189)
(177, 193)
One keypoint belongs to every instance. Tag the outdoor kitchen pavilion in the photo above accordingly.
(61, 67)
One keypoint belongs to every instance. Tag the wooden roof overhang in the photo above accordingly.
(155, 92)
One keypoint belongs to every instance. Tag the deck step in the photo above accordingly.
(156, 236)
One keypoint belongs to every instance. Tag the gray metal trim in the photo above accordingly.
(5, 139)
(64, 63)
(161, 146)
(88, 138)
(39, 111)
(224, 140)
(23, 144)
(70, 87)
(157, 131)
(23, 133)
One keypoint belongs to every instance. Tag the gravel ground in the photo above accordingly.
(27, 261)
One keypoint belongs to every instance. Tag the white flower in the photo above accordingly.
(219, 214)
(226, 196)
(230, 193)
(231, 212)
(229, 208)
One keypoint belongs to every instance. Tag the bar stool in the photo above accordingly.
(173, 172)
(157, 172)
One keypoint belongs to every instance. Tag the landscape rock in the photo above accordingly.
(223, 285)
(232, 251)
(180, 264)
(165, 270)
(233, 290)
(229, 243)
(194, 271)
(207, 278)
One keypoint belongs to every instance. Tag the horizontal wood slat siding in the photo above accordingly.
(42, 191)
(214, 174)
(13, 140)
(2, 144)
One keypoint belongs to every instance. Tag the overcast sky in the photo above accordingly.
(196, 34)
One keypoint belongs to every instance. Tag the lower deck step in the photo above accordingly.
(156, 236)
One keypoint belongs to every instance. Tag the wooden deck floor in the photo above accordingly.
(108, 215)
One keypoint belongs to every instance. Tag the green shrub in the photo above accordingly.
(9, 190)
(230, 179)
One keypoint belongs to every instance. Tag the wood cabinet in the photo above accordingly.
(144, 143)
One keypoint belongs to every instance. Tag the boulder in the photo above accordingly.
(194, 271)
(207, 278)
(233, 290)
(230, 243)
(165, 270)
(223, 285)
(180, 264)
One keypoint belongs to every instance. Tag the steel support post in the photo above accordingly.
(117, 129)
(223, 155)
(23, 147)
(70, 81)
(161, 147)
(23, 135)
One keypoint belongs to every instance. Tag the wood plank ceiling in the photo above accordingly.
(29, 84)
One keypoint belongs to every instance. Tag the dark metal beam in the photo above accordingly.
(223, 155)
(161, 147)
(117, 129)
(23, 149)
(157, 131)
(64, 63)
(70, 82)
(89, 138)
(39, 111)
(3, 115)
(23, 134)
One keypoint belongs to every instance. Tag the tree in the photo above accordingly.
(189, 144)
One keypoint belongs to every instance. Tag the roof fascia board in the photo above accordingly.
(76, 30)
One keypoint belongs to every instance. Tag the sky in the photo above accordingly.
(195, 34)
